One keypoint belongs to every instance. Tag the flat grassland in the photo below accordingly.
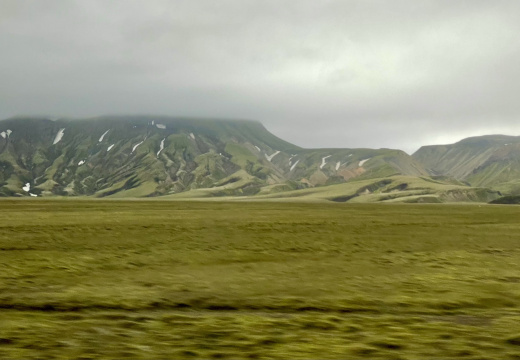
(159, 279)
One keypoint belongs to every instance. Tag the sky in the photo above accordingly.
(345, 74)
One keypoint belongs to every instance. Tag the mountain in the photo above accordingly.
(140, 156)
(490, 161)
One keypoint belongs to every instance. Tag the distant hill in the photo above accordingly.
(143, 156)
(507, 200)
(392, 189)
(490, 161)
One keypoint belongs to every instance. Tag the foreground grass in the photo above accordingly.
(145, 279)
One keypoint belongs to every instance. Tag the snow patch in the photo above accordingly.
(33, 195)
(27, 187)
(102, 136)
(59, 136)
(257, 148)
(161, 148)
(349, 155)
(192, 136)
(294, 165)
(270, 157)
(153, 122)
(324, 161)
(161, 126)
(9, 132)
(3, 134)
(110, 147)
(338, 164)
(81, 162)
(136, 145)
(363, 161)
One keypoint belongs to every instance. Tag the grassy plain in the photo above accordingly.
(160, 279)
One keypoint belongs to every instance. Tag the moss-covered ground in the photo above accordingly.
(160, 279)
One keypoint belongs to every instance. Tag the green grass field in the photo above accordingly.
(161, 279)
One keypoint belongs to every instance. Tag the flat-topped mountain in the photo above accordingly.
(138, 156)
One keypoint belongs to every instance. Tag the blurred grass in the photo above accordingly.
(153, 279)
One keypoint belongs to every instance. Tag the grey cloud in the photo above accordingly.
(321, 74)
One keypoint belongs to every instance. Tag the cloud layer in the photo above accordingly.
(365, 73)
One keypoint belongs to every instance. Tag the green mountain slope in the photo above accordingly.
(136, 156)
(492, 161)
(402, 189)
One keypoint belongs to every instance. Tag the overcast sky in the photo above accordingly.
(365, 73)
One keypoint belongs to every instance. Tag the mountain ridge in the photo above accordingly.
(149, 155)
(489, 160)
(162, 155)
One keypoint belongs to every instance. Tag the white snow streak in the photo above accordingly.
(135, 146)
(27, 187)
(338, 164)
(270, 157)
(192, 136)
(33, 195)
(257, 148)
(324, 161)
(161, 126)
(363, 161)
(81, 162)
(294, 165)
(58, 137)
(3, 134)
(110, 147)
(161, 147)
(102, 136)
(8, 132)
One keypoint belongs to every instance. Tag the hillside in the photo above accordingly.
(393, 189)
(491, 161)
(141, 156)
